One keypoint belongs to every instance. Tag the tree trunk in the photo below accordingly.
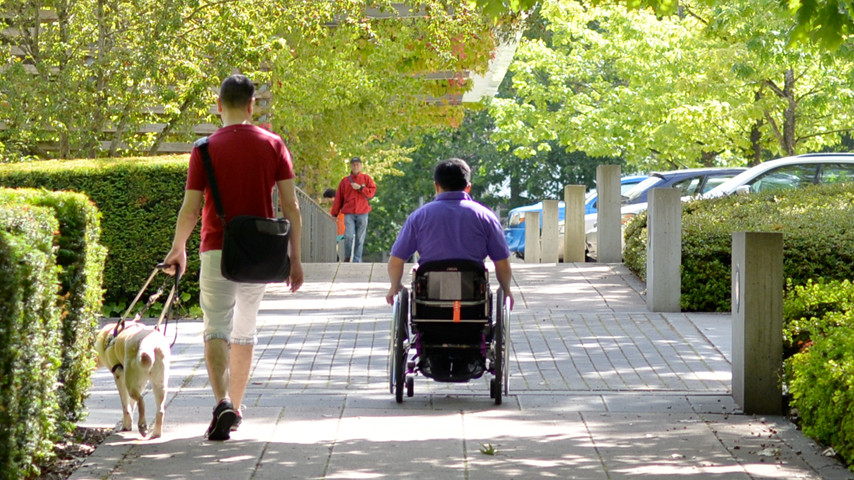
(756, 137)
(789, 140)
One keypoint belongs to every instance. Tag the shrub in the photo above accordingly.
(816, 223)
(821, 383)
(807, 310)
(80, 258)
(139, 199)
(29, 338)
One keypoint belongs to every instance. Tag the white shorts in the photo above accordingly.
(230, 308)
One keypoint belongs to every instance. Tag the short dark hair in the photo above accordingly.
(236, 91)
(453, 174)
(329, 193)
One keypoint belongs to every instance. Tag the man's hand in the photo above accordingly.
(296, 277)
(177, 261)
(355, 186)
(392, 292)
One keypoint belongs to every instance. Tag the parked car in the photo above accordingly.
(690, 181)
(514, 234)
(790, 172)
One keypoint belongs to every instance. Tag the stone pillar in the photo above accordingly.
(664, 250)
(549, 251)
(610, 245)
(573, 224)
(757, 321)
(532, 237)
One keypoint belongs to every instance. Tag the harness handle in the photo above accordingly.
(166, 314)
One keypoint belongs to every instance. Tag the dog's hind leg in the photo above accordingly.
(137, 377)
(159, 376)
(124, 396)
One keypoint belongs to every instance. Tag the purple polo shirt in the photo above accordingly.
(452, 227)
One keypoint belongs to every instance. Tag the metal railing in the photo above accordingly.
(319, 231)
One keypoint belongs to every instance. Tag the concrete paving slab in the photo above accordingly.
(601, 388)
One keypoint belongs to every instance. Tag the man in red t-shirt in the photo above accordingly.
(248, 162)
(351, 199)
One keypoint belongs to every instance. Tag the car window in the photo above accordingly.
(688, 186)
(837, 172)
(713, 182)
(785, 177)
(641, 187)
(626, 187)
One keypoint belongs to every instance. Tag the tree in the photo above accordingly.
(95, 77)
(94, 73)
(672, 92)
(362, 86)
(826, 23)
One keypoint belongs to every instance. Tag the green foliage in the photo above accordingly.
(825, 22)
(715, 85)
(809, 310)
(821, 382)
(30, 338)
(138, 198)
(336, 77)
(816, 223)
(362, 87)
(411, 185)
(96, 72)
(80, 258)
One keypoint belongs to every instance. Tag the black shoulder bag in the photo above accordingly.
(254, 249)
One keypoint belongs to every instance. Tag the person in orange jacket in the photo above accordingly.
(351, 199)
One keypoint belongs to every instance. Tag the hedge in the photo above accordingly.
(139, 199)
(816, 223)
(821, 382)
(80, 257)
(29, 338)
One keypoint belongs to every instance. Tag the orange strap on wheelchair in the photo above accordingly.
(457, 308)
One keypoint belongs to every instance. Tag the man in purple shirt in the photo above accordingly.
(451, 227)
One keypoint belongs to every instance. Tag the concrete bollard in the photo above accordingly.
(574, 239)
(532, 237)
(610, 244)
(664, 250)
(549, 253)
(757, 321)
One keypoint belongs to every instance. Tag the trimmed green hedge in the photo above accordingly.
(816, 223)
(80, 257)
(51, 266)
(821, 383)
(139, 199)
(30, 338)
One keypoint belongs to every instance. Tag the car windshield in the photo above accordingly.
(641, 187)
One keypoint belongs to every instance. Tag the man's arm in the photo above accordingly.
(290, 208)
(369, 188)
(504, 275)
(337, 201)
(188, 217)
(395, 275)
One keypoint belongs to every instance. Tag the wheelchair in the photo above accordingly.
(444, 329)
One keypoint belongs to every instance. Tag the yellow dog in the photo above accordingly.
(136, 355)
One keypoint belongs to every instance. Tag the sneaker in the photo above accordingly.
(239, 419)
(224, 417)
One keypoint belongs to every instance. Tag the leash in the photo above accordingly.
(165, 315)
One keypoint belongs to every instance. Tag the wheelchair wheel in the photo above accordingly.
(397, 352)
(496, 385)
(505, 337)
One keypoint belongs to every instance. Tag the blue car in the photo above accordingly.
(514, 234)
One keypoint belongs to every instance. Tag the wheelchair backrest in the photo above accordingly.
(451, 280)
(455, 290)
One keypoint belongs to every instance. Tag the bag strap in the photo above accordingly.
(202, 145)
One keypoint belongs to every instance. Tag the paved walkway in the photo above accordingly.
(600, 388)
